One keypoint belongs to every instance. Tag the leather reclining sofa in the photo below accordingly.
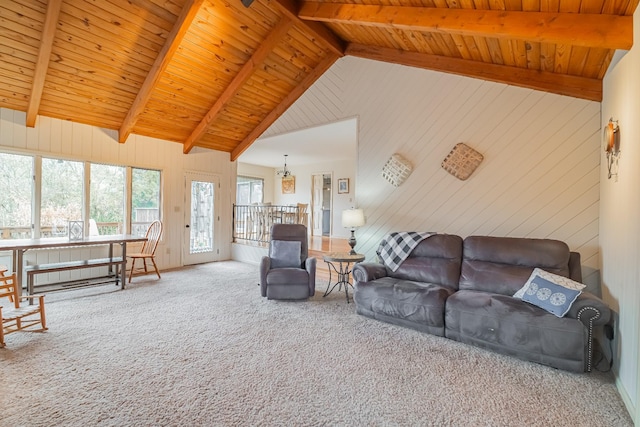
(463, 290)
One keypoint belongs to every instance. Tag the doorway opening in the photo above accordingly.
(321, 205)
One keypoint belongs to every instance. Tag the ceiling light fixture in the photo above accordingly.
(284, 171)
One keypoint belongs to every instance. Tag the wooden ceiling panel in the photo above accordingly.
(77, 37)
(107, 27)
(210, 59)
(577, 60)
(547, 57)
(166, 130)
(79, 102)
(261, 94)
(507, 52)
(98, 64)
(215, 74)
(20, 65)
(237, 25)
(22, 23)
(533, 55)
(219, 143)
(69, 106)
(102, 53)
(14, 92)
(20, 29)
(298, 39)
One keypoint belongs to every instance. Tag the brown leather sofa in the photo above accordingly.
(463, 290)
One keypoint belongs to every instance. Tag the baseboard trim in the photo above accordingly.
(631, 407)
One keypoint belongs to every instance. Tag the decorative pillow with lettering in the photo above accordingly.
(550, 292)
(285, 253)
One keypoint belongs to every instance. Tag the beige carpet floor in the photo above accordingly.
(200, 347)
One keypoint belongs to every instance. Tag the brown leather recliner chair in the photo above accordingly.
(288, 273)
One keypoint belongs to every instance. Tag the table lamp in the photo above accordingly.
(352, 218)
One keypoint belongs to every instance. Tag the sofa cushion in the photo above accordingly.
(409, 303)
(288, 276)
(435, 260)
(510, 326)
(502, 265)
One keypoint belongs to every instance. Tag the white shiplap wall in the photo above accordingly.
(619, 220)
(64, 139)
(322, 103)
(539, 178)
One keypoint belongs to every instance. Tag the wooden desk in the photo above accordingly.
(20, 246)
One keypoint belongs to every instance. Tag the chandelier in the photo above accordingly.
(284, 171)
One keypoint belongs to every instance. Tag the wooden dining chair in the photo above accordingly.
(3, 272)
(148, 251)
(303, 216)
(17, 316)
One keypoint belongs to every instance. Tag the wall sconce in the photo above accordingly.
(611, 140)
(352, 218)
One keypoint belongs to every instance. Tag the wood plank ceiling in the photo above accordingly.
(216, 74)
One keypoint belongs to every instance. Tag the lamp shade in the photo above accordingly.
(352, 218)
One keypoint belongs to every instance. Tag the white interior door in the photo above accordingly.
(316, 205)
(201, 218)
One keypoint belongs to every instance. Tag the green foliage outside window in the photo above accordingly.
(16, 178)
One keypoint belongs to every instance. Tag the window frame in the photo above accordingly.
(36, 190)
(250, 180)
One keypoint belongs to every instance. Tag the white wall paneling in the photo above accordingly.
(539, 177)
(619, 225)
(64, 139)
(542, 176)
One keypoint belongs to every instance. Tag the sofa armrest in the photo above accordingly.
(368, 271)
(310, 266)
(590, 309)
(265, 266)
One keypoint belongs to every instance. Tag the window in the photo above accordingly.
(249, 190)
(145, 199)
(39, 196)
(62, 196)
(16, 182)
(107, 195)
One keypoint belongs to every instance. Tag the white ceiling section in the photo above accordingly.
(319, 144)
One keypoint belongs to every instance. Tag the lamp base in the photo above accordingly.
(352, 242)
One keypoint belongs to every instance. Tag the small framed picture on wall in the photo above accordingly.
(343, 185)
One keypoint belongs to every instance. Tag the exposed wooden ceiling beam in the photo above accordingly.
(285, 104)
(324, 35)
(240, 79)
(180, 28)
(578, 87)
(42, 63)
(577, 29)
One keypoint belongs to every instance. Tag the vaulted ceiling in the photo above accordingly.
(216, 74)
